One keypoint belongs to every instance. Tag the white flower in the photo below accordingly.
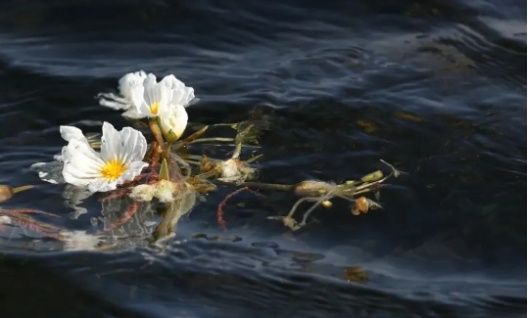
(120, 158)
(130, 87)
(142, 96)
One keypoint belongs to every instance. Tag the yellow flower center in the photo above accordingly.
(154, 108)
(113, 169)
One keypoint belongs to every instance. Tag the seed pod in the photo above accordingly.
(355, 274)
(311, 188)
(374, 176)
(327, 204)
(6, 192)
(360, 206)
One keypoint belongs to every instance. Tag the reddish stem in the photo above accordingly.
(33, 225)
(220, 209)
(25, 211)
(127, 215)
(116, 194)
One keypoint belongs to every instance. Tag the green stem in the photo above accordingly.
(238, 149)
(167, 150)
(156, 131)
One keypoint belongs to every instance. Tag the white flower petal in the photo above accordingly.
(186, 97)
(129, 82)
(152, 94)
(113, 97)
(150, 80)
(69, 132)
(165, 97)
(128, 144)
(181, 95)
(133, 170)
(113, 104)
(152, 90)
(81, 163)
(136, 97)
(133, 113)
(110, 142)
(131, 90)
(136, 145)
(172, 82)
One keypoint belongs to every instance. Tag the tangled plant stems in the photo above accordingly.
(166, 175)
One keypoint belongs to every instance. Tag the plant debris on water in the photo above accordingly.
(136, 178)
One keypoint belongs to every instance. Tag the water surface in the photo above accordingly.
(437, 88)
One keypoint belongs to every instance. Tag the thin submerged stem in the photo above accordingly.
(230, 125)
(212, 139)
(296, 205)
(22, 188)
(312, 208)
(268, 186)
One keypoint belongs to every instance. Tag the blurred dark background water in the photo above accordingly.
(436, 87)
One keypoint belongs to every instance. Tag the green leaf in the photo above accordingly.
(164, 172)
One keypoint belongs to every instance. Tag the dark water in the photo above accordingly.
(438, 88)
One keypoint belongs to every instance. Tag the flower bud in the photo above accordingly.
(235, 170)
(311, 188)
(361, 205)
(327, 204)
(6, 192)
(173, 122)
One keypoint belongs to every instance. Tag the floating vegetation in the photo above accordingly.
(162, 177)
(355, 274)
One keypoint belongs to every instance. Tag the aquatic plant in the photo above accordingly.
(165, 176)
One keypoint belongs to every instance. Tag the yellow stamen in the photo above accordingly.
(154, 108)
(113, 169)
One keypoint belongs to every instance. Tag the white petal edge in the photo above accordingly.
(181, 94)
(129, 82)
(70, 132)
(81, 163)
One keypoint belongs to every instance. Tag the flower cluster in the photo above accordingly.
(143, 97)
(122, 152)
(137, 172)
